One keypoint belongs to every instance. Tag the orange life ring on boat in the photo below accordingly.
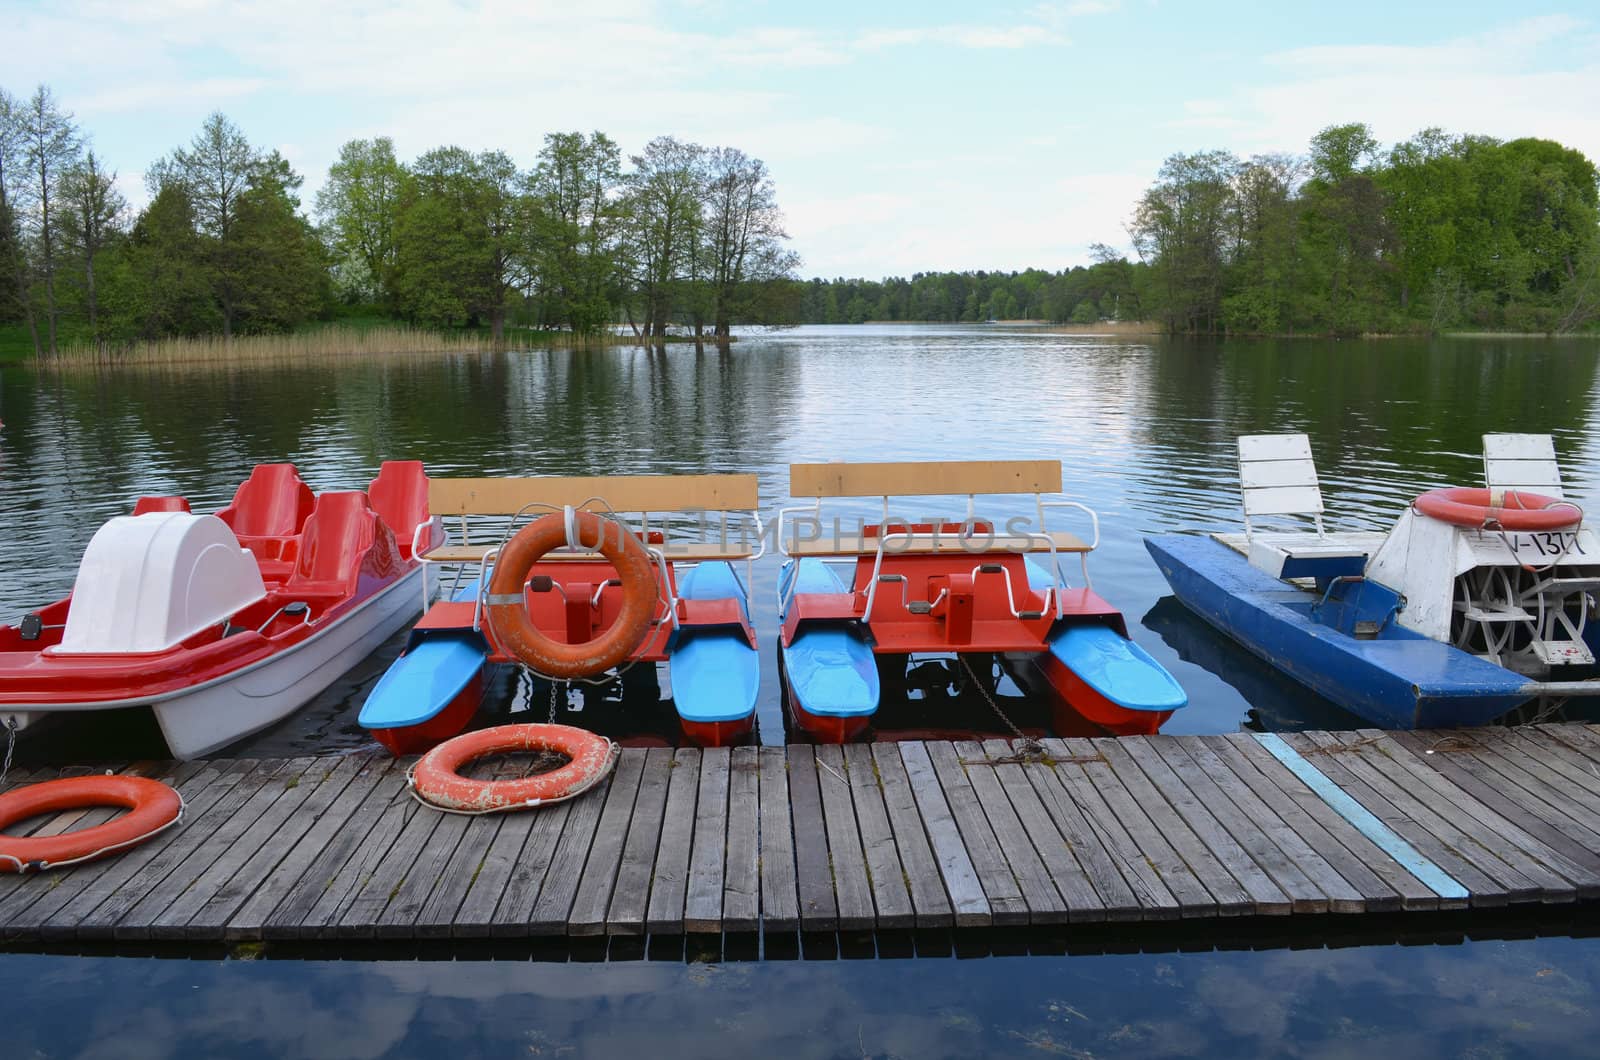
(152, 807)
(437, 777)
(507, 607)
(1481, 509)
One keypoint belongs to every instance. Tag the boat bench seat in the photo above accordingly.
(689, 552)
(1312, 556)
(930, 544)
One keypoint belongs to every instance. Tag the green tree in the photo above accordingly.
(157, 282)
(1183, 226)
(664, 213)
(461, 238)
(93, 217)
(359, 207)
(577, 227)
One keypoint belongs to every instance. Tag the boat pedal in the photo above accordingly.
(990, 568)
(1030, 616)
(1563, 652)
(1367, 630)
(919, 607)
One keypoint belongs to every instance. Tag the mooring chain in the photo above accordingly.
(11, 746)
(1027, 748)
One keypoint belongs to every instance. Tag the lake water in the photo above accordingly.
(1145, 431)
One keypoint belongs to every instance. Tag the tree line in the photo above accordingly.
(1437, 232)
(680, 235)
(1109, 289)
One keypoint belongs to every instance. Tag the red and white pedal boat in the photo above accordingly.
(225, 624)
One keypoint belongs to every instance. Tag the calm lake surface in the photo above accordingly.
(1145, 431)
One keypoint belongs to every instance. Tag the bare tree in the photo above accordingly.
(744, 230)
(664, 216)
(50, 146)
(14, 202)
(94, 213)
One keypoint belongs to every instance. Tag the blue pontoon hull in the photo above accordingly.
(1397, 680)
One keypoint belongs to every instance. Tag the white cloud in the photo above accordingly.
(1498, 83)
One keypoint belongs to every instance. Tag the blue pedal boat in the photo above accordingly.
(1459, 614)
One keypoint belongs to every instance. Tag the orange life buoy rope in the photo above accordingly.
(1482, 509)
(152, 808)
(506, 606)
(437, 780)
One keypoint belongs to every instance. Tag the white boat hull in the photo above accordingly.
(203, 719)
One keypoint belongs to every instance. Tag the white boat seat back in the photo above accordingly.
(1278, 477)
(149, 582)
(1522, 462)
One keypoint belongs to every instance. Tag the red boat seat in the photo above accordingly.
(333, 543)
(400, 497)
(272, 502)
(145, 505)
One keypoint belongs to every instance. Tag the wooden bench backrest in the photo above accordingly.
(625, 493)
(1522, 462)
(1278, 476)
(929, 478)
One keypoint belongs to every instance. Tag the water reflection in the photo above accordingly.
(1145, 431)
(1499, 998)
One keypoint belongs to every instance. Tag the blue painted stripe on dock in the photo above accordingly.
(1408, 856)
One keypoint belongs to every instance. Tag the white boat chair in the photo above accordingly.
(1522, 462)
(1279, 479)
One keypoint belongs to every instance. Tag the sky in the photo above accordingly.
(902, 137)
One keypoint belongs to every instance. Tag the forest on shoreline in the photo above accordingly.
(679, 235)
(1435, 234)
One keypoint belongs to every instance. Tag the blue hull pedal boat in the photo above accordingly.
(573, 592)
(968, 590)
(1474, 604)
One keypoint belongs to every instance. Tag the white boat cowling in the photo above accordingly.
(148, 582)
(1519, 599)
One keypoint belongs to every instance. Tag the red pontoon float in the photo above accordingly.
(963, 589)
(224, 624)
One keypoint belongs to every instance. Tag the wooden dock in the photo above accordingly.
(861, 838)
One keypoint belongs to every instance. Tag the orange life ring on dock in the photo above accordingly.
(507, 606)
(152, 807)
(1481, 509)
(437, 777)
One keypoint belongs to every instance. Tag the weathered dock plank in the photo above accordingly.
(1044, 901)
(708, 850)
(923, 876)
(780, 895)
(846, 857)
(743, 881)
(1157, 827)
(883, 837)
(1007, 903)
(886, 874)
(968, 899)
(1082, 899)
(669, 883)
(587, 915)
(819, 907)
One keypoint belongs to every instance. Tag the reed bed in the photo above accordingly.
(336, 342)
(322, 344)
